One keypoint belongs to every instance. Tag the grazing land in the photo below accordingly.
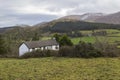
(112, 36)
(93, 39)
(52, 68)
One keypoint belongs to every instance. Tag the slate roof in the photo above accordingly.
(37, 44)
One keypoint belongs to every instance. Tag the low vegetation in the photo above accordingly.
(53, 68)
(2, 48)
(39, 53)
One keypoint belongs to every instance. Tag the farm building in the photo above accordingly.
(35, 45)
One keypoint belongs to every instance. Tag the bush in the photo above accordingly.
(66, 51)
(2, 46)
(107, 50)
(111, 51)
(40, 53)
(84, 50)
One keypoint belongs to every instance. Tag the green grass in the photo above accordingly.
(93, 39)
(86, 31)
(109, 31)
(112, 36)
(60, 69)
(45, 38)
(85, 39)
(118, 46)
(115, 34)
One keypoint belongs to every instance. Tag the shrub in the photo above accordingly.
(107, 50)
(111, 51)
(86, 50)
(66, 51)
(40, 53)
(2, 46)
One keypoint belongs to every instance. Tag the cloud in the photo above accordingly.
(30, 19)
(35, 11)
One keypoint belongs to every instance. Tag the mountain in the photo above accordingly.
(42, 24)
(55, 26)
(95, 17)
(70, 17)
(28, 33)
(65, 26)
(76, 22)
(2, 30)
(5, 29)
(110, 19)
(88, 21)
(68, 26)
(89, 17)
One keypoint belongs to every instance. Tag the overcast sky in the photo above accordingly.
(14, 12)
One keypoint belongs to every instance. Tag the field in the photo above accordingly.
(93, 39)
(85, 39)
(53, 68)
(112, 36)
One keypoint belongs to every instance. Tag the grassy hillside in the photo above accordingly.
(85, 39)
(92, 39)
(60, 69)
(112, 36)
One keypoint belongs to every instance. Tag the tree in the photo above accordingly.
(57, 37)
(65, 41)
(35, 37)
(86, 50)
(2, 48)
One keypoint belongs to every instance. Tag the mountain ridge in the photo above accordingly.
(110, 19)
(88, 17)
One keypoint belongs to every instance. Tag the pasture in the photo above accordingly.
(112, 36)
(93, 39)
(54, 68)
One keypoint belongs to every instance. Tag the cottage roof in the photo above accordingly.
(36, 44)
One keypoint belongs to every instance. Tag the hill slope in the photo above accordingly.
(89, 17)
(110, 19)
(95, 17)
(73, 25)
(2, 30)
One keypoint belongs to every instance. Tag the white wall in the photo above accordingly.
(31, 50)
(23, 49)
(54, 47)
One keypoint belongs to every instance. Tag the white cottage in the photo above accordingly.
(34, 45)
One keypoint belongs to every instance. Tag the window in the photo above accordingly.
(56, 47)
